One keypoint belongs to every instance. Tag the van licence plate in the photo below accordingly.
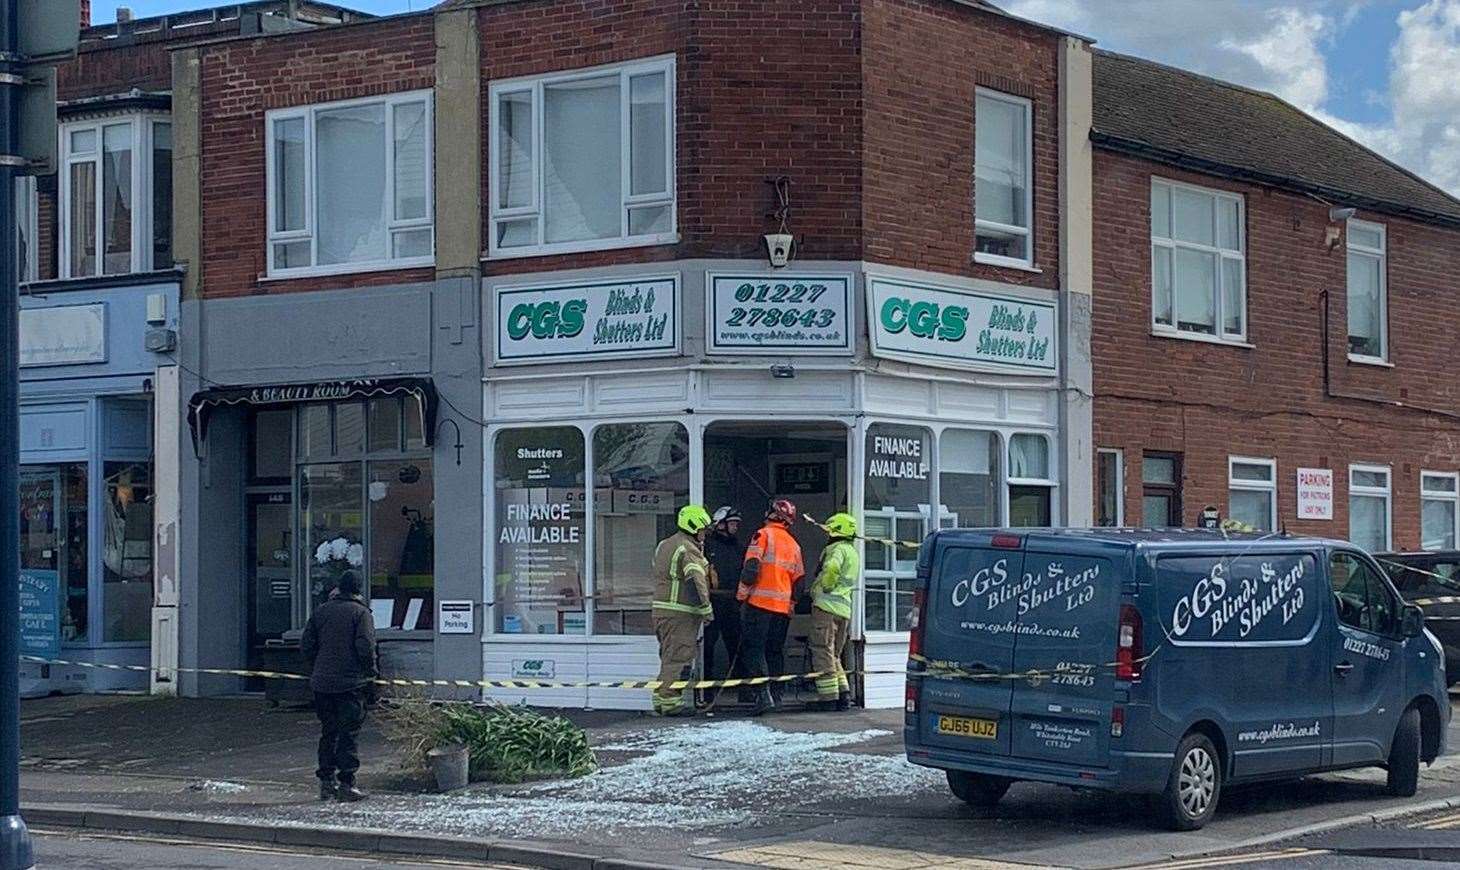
(963, 726)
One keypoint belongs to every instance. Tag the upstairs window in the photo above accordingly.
(1368, 304)
(1369, 519)
(583, 161)
(116, 196)
(1003, 192)
(26, 223)
(1252, 492)
(350, 186)
(1439, 509)
(1198, 262)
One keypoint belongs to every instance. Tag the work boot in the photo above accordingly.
(764, 703)
(327, 789)
(348, 794)
(844, 701)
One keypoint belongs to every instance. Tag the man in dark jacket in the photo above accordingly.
(727, 556)
(339, 647)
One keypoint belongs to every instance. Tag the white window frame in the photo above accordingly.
(1270, 487)
(392, 224)
(536, 85)
(142, 125)
(1119, 455)
(1051, 482)
(1386, 492)
(1451, 496)
(1381, 254)
(1173, 329)
(1027, 261)
(27, 213)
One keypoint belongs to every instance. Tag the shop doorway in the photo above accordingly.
(749, 463)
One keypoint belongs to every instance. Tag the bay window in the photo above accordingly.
(583, 160)
(1369, 523)
(350, 186)
(1439, 501)
(1198, 262)
(1031, 481)
(116, 196)
(897, 491)
(1003, 189)
(1368, 305)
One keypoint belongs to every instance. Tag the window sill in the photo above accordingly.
(1202, 339)
(1370, 361)
(582, 247)
(1006, 263)
(347, 269)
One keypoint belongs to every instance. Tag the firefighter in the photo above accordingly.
(681, 607)
(772, 567)
(726, 555)
(831, 611)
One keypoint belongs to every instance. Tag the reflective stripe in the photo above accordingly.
(683, 608)
(758, 592)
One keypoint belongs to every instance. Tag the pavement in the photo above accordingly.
(802, 790)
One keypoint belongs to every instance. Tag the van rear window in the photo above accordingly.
(1247, 599)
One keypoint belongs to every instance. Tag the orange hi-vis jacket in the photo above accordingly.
(772, 567)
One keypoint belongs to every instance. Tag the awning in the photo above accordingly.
(203, 402)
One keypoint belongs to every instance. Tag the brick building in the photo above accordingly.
(452, 271)
(1291, 363)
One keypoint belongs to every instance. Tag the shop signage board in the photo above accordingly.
(534, 669)
(954, 328)
(40, 613)
(782, 314)
(65, 335)
(589, 320)
(1315, 493)
(455, 617)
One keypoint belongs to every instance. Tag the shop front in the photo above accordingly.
(90, 362)
(618, 396)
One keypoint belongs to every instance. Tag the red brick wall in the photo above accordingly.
(763, 89)
(923, 61)
(101, 69)
(1209, 401)
(240, 81)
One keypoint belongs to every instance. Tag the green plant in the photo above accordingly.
(509, 745)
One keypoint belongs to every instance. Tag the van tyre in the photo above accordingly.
(977, 789)
(1194, 786)
(1403, 766)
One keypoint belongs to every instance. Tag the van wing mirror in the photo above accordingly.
(1412, 623)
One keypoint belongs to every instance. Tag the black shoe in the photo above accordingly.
(348, 794)
(764, 703)
(843, 702)
(327, 789)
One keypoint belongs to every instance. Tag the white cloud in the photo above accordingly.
(1290, 56)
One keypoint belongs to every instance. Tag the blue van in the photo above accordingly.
(1171, 662)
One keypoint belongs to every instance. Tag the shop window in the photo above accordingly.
(401, 493)
(26, 228)
(331, 507)
(1439, 498)
(54, 536)
(1161, 490)
(350, 186)
(1368, 302)
(1031, 481)
(897, 492)
(583, 160)
(540, 525)
(1198, 262)
(116, 196)
(1368, 507)
(1363, 599)
(1252, 492)
(1003, 192)
(271, 455)
(640, 479)
(1109, 488)
(968, 478)
(126, 596)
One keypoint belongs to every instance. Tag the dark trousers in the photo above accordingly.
(763, 643)
(340, 716)
(726, 628)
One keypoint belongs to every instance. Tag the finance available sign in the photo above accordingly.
(780, 314)
(588, 320)
(940, 326)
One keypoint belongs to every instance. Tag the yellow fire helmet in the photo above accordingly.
(842, 526)
(694, 518)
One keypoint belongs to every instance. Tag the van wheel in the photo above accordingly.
(1403, 780)
(1195, 785)
(977, 789)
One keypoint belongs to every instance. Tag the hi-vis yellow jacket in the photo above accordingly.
(681, 583)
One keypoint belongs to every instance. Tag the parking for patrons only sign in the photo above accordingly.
(1315, 493)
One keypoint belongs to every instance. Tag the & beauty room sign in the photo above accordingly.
(587, 320)
(942, 326)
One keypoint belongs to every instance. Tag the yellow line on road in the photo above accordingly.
(1230, 860)
(1440, 824)
(261, 848)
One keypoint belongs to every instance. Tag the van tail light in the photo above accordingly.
(1007, 542)
(1117, 722)
(1128, 655)
(916, 622)
(910, 697)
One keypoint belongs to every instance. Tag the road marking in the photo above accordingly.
(79, 834)
(817, 855)
(1439, 824)
(1231, 860)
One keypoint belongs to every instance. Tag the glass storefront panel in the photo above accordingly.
(641, 479)
(126, 597)
(540, 527)
(54, 536)
(968, 478)
(896, 497)
(331, 506)
(402, 542)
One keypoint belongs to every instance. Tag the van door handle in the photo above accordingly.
(1342, 668)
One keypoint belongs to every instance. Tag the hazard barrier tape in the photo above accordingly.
(911, 545)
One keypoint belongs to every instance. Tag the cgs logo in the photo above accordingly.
(924, 319)
(547, 319)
